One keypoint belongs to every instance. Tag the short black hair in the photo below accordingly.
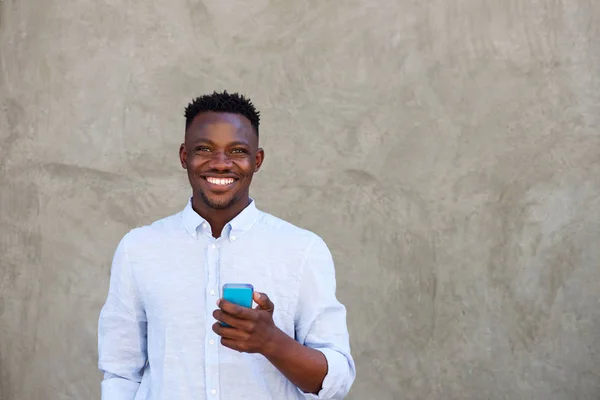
(224, 102)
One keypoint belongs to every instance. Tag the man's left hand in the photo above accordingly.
(250, 330)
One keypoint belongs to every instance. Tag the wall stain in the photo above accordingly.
(360, 177)
(75, 172)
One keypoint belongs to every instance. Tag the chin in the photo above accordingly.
(217, 202)
(218, 206)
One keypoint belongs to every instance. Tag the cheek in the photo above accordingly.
(247, 166)
(194, 164)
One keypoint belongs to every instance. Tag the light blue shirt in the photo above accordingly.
(155, 337)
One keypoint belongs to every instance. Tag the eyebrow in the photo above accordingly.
(239, 143)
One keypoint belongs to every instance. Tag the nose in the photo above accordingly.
(220, 161)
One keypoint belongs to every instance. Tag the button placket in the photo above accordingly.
(211, 350)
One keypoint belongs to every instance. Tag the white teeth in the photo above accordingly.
(220, 181)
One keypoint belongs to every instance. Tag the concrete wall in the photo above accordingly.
(447, 150)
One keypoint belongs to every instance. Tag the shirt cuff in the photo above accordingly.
(335, 385)
(119, 389)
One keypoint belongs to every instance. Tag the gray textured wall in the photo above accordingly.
(447, 150)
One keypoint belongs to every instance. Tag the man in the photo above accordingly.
(160, 331)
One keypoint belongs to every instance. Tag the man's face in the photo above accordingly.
(220, 155)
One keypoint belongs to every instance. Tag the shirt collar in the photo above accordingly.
(232, 230)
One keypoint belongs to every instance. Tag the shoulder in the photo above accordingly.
(279, 230)
(146, 236)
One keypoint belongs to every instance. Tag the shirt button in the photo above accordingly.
(213, 391)
(204, 225)
(211, 341)
(233, 238)
(212, 292)
(213, 245)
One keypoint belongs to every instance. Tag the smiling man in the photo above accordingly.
(160, 331)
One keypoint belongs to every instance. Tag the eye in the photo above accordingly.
(239, 151)
(202, 148)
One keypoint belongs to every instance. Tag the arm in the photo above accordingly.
(321, 325)
(304, 367)
(121, 333)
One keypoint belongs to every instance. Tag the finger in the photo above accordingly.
(236, 310)
(229, 333)
(231, 320)
(263, 301)
(232, 344)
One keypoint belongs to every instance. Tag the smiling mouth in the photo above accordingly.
(220, 181)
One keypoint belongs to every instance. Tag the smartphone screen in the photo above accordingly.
(238, 293)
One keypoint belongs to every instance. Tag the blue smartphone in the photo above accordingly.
(238, 293)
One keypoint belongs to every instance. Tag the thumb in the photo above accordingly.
(263, 301)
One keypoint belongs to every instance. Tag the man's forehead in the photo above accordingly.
(222, 123)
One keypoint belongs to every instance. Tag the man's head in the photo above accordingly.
(220, 151)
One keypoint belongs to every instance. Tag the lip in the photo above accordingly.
(219, 176)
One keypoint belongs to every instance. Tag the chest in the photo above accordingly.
(180, 282)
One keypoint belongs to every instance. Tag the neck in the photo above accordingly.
(218, 218)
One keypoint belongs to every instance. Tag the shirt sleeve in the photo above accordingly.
(121, 332)
(321, 322)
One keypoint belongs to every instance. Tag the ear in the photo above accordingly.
(183, 156)
(260, 157)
